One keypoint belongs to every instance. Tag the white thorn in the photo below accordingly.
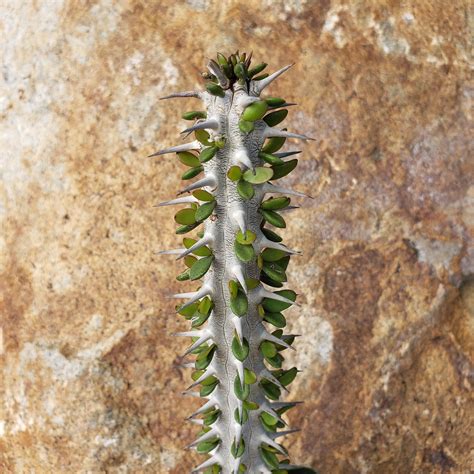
(240, 369)
(188, 333)
(191, 394)
(284, 154)
(263, 293)
(169, 252)
(211, 123)
(196, 422)
(239, 218)
(269, 376)
(182, 94)
(214, 68)
(207, 463)
(266, 336)
(200, 243)
(238, 432)
(241, 156)
(209, 180)
(275, 132)
(239, 274)
(264, 438)
(194, 296)
(263, 242)
(209, 404)
(271, 188)
(279, 434)
(204, 338)
(260, 85)
(194, 145)
(206, 374)
(238, 326)
(210, 434)
(181, 200)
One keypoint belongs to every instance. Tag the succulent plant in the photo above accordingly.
(236, 313)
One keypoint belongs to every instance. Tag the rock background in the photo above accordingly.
(89, 379)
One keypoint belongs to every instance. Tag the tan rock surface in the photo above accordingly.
(89, 379)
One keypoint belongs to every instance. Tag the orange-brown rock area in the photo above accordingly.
(90, 382)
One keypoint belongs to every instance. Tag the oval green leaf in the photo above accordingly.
(282, 170)
(245, 189)
(188, 159)
(274, 118)
(274, 204)
(185, 216)
(261, 175)
(203, 195)
(255, 111)
(246, 239)
(200, 268)
(240, 351)
(234, 173)
(244, 253)
(205, 210)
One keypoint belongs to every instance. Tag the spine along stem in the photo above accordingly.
(237, 336)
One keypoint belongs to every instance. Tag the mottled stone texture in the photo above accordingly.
(89, 378)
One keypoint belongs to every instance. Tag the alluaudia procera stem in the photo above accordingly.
(236, 315)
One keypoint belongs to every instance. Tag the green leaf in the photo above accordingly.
(274, 306)
(257, 69)
(237, 451)
(282, 170)
(194, 114)
(277, 319)
(300, 470)
(275, 272)
(205, 305)
(255, 111)
(240, 351)
(270, 235)
(207, 389)
(268, 349)
(191, 173)
(272, 255)
(205, 210)
(203, 137)
(275, 101)
(273, 218)
(276, 361)
(259, 78)
(183, 276)
(271, 390)
(249, 376)
(205, 447)
(189, 260)
(245, 126)
(245, 189)
(211, 417)
(188, 159)
(264, 278)
(185, 216)
(269, 458)
(244, 253)
(184, 229)
(288, 376)
(241, 391)
(271, 159)
(239, 304)
(274, 204)
(268, 419)
(240, 71)
(274, 118)
(273, 144)
(189, 310)
(215, 89)
(207, 154)
(241, 419)
(251, 405)
(234, 173)
(200, 268)
(203, 195)
(211, 380)
(246, 239)
(233, 288)
(199, 319)
(205, 357)
(252, 283)
(260, 176)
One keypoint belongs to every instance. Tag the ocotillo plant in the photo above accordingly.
(236, 315)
